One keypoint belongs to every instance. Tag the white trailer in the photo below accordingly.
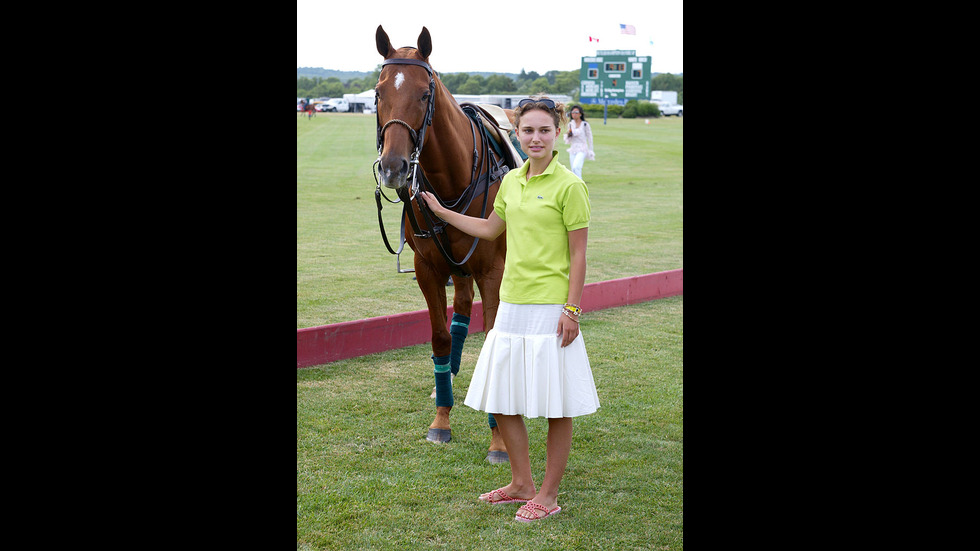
(361, 103)
(663, 96)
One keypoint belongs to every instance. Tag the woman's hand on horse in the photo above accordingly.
(432, 203)
(485, 228)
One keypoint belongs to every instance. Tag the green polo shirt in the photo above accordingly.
(539, 214)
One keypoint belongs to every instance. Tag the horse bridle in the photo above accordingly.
(418, 138)
(407, 196)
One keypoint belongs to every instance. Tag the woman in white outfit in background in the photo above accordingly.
(579, 136)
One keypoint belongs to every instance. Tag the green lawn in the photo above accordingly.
(366, 478)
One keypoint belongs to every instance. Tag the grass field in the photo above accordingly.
(366, 478)
(344, 272)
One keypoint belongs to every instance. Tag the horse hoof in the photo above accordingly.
(496, 456)
(440, 436)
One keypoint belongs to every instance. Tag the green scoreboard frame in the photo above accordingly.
(613, 77)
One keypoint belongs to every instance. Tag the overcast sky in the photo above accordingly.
(534, 36)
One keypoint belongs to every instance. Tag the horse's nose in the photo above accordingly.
(394, 171)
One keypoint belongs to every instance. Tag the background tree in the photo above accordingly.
(567, 83)
(470, 87)
(305, 84)
(453, 81)
(537, 86)
(475, 84)
(500, 84)
(524, 77)
(329, 90)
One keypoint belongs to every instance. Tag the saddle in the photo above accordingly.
(498, 126)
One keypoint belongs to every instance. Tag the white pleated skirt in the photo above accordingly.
(523, 370)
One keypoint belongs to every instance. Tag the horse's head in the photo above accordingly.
(404, 105)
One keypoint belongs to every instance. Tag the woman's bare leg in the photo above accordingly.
(559, 446)
(514, 433)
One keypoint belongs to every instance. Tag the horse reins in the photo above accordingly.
(408, 195)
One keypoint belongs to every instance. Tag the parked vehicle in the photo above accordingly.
(320, 107)
(337, 105)
(671, 109)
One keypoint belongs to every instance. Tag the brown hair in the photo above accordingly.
(558, 113)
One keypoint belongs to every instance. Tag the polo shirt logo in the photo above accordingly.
(539, 197)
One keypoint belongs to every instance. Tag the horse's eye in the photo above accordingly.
(425, 97)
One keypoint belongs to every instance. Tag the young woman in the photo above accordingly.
(533, 362)
(579, 136)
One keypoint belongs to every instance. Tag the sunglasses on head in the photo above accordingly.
(547, 102)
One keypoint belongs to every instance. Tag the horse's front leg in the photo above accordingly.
(460, 325)
(433, 286)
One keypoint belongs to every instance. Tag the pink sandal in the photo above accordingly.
(504, 498)
(531, 508)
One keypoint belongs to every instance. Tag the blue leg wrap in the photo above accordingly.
(444, 382)
(491, 421)
(458, 330)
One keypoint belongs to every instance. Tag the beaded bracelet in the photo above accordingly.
(569, 316)
(573, 309)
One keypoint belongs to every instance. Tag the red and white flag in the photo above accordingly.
(627, 29)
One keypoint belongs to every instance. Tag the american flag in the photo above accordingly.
(627, 29)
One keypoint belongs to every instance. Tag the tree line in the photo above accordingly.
(527, 83)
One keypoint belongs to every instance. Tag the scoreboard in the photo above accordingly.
(614, 77)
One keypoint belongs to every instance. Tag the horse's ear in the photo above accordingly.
(425, 43)
(384, 45)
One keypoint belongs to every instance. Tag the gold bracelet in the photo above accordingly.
(569, 316)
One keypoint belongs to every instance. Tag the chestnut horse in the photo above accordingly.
(427, 141)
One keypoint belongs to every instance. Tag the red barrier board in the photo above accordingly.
(349, 339)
